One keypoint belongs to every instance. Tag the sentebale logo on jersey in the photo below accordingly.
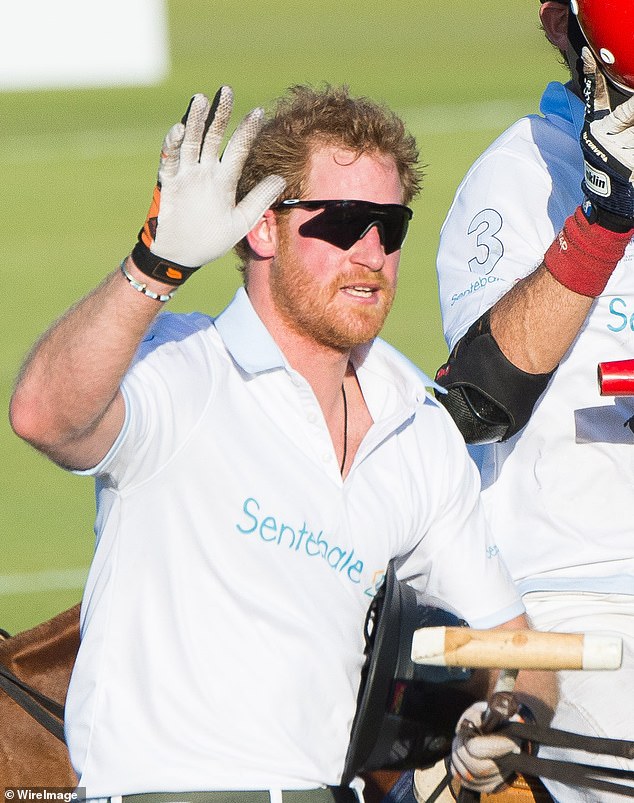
(597, 181)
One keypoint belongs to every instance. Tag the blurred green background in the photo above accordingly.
(78, 169)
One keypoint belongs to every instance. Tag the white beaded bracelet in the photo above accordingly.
(143, 288)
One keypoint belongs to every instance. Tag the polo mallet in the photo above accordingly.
(510, 651)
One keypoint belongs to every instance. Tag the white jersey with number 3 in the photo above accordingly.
(570, 471)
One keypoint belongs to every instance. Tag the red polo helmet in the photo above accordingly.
(608, 27)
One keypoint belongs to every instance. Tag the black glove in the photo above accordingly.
(607, 142)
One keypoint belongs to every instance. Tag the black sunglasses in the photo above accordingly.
(342, 223)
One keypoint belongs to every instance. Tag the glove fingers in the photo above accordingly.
(241, 140)
(472, 753)
(253, 205)
(170, 152)
(205, 125)
(216, 123)
(623, 116)
(491, 746)
(194, 121)
(481, 769)
(483, 780)
(478, 769)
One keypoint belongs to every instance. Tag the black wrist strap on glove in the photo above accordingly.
(605, 219)
(160, 269)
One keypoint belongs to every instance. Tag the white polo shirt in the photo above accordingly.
(222, 623)
(560, 494)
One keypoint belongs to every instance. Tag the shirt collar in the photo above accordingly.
(246, 338)
(253, 348)
(389, 379)
(563, 107)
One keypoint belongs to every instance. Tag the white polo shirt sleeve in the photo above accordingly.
(458, 564)
(495, 232)
(166, 390)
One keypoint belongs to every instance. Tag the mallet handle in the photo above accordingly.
(616, 378)
(515, 649)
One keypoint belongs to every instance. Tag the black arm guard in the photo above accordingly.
(489, 398)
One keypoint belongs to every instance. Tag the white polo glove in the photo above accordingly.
(193, 218)
(471, 753)
(607, 142)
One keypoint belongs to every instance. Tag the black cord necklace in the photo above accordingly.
(345, 428)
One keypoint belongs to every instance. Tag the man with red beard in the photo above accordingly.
(257, 471)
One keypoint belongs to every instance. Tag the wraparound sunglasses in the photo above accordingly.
(343, 222)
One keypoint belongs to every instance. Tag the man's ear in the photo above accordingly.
(554, 19)
(262, 238)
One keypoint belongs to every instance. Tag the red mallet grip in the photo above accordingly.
(616, 378)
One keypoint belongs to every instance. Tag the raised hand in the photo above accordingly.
(193, 218)
(607, 142)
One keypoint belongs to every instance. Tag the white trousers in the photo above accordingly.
(591, 702)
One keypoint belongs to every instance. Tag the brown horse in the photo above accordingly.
(41, 658)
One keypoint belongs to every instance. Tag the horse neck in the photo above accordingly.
(44, 656)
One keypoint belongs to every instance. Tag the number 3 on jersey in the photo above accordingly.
(489, 250)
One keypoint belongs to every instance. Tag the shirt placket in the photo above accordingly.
(317, 434)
